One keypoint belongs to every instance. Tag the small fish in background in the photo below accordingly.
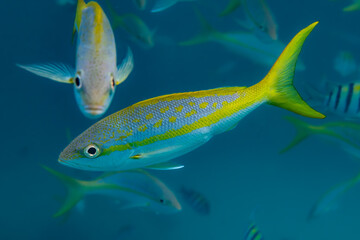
(330, 201)
(253, 232)
(96, 74)
(259, 20)
(197, 201)
(157, 130)
(140, 4)
(355, 6)
(132, 189)
(343, 100)
(345, 64)
(230, 7)
(66, 2)
(243, 43)
(136, 28)
(161, 5)
(345, 134)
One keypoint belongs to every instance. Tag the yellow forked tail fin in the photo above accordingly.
(303, 131)
(76, 191)
(278, 83)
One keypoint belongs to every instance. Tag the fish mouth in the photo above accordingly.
(94, 111)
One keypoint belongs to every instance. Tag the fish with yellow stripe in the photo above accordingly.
(96, 74)
(152, 132)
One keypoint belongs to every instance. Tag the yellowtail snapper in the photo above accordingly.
(132, 189)
(157, 130)
(197, 201)
(96, 74)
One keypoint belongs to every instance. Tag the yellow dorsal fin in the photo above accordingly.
(80, 6)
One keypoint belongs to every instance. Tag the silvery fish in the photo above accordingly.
(245, 43)
(132, 189)
(157, 130)
(96, 74)
(330, 200)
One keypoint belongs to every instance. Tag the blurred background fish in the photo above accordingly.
(134, 26)
(345, 134)
(161, 5)
(342, 100)
(140, 4)
(246, 44)
(259, 20)
(330, 201)
(253, 232)
(345, 64)
(132, 189)
(66, 2)
(355, 6)
(196, 200)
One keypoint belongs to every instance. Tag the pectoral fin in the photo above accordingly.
(165, 166)
(125, 68)
(55, 71)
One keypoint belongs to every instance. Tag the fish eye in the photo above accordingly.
(162, 200)
(92, 151)
(77, 82)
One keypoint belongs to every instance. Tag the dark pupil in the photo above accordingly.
(113, 82)
(91, 151)
(77, 81)
(162, 200)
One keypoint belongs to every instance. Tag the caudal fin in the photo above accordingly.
(76, 191)
(231, 7)
(278, 83)
(303, 130)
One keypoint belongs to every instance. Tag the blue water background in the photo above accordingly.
(237, 171)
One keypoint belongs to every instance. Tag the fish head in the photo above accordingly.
(94, 89)
(165, 202)
(166, 206)
(102, 147)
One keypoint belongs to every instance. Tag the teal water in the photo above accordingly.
(238, 171)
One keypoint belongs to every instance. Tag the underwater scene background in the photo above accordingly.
(241, 173)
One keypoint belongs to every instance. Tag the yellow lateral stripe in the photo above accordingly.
(247, 98)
